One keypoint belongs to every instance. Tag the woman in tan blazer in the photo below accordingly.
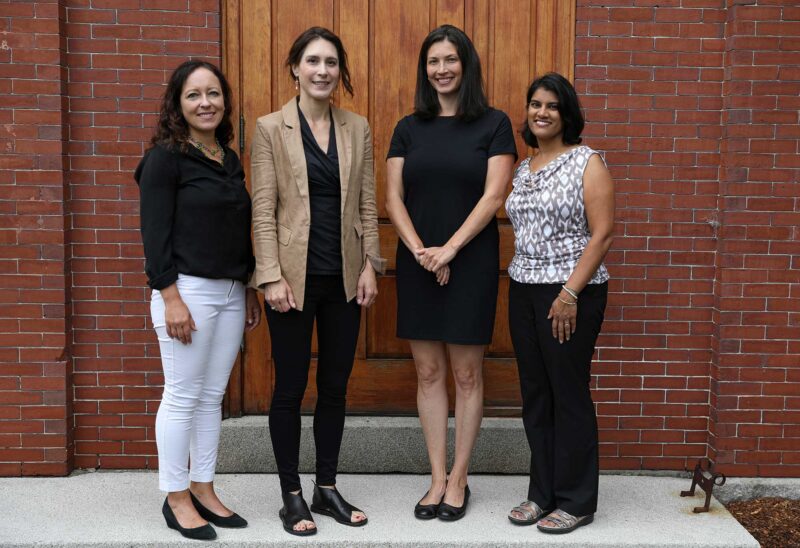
(316, 245)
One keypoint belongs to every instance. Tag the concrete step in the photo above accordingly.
(123, 509)
(374, 445)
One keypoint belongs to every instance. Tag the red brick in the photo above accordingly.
(660, 121)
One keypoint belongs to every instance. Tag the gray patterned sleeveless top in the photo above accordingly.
(550, 227)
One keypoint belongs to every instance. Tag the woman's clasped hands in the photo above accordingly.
(436, 260)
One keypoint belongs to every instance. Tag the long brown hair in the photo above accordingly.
(172, 129)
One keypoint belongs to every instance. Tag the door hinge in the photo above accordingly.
(241, 134)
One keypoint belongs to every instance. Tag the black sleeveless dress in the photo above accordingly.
(444, 175)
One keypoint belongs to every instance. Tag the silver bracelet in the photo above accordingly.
(571, 292)
(567, 302)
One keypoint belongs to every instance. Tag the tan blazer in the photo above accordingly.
(281, 209)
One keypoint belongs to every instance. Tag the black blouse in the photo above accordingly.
(195, 216)
(325, 196)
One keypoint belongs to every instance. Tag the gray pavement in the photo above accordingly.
(123, 509)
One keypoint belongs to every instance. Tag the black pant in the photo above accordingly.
(337, 334)
(557, 408)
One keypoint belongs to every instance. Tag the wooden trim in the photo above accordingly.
(231, 67)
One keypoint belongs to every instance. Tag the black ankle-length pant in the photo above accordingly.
(337, 334)
(557, 409)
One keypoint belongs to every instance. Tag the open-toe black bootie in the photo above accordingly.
(293, 512)
(329, 502)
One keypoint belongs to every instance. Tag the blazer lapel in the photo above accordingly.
(293, 140)
(344, 144)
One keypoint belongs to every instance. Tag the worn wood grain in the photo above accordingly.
(516, 40)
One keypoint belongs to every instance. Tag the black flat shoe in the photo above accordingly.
(329, 502)
(452, 513)
(293, 512)
(427, 511)
(204, 532)
(231, 522)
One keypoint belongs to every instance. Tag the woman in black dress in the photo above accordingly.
(447, 170)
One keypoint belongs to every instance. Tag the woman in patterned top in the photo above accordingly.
(562, 209)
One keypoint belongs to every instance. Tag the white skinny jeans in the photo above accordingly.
(195, 376)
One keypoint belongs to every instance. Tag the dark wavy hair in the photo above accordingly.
(308, 36)
(472, 102)
(172, 129)
(568, 107)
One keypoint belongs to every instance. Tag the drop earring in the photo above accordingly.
(297, 82)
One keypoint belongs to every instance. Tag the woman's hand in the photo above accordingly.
(443, 275)
(564, 316)
(252, 309)
(178, 319)
(279, 296)
(434, 258)
(367, 286)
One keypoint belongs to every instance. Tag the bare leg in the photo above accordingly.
(182, 507)
(466, 362)
(430, 359)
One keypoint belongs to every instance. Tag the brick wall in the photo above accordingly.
(35, 422)
(694, 101)
(756, 370)
(81, 79)
(120, 55)
(650, 79)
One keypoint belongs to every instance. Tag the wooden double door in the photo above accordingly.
(516, 40)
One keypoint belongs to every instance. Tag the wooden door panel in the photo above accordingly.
(382, 323)
(352, 26)
(399, 28)
(516, 40)
(256, 74)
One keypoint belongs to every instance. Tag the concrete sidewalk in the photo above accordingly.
(122, 509)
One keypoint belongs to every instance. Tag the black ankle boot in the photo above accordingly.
(293, 512)
(329, 502)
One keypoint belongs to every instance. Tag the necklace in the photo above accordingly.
(208, 152)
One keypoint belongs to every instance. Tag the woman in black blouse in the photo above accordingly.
(195, 221)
